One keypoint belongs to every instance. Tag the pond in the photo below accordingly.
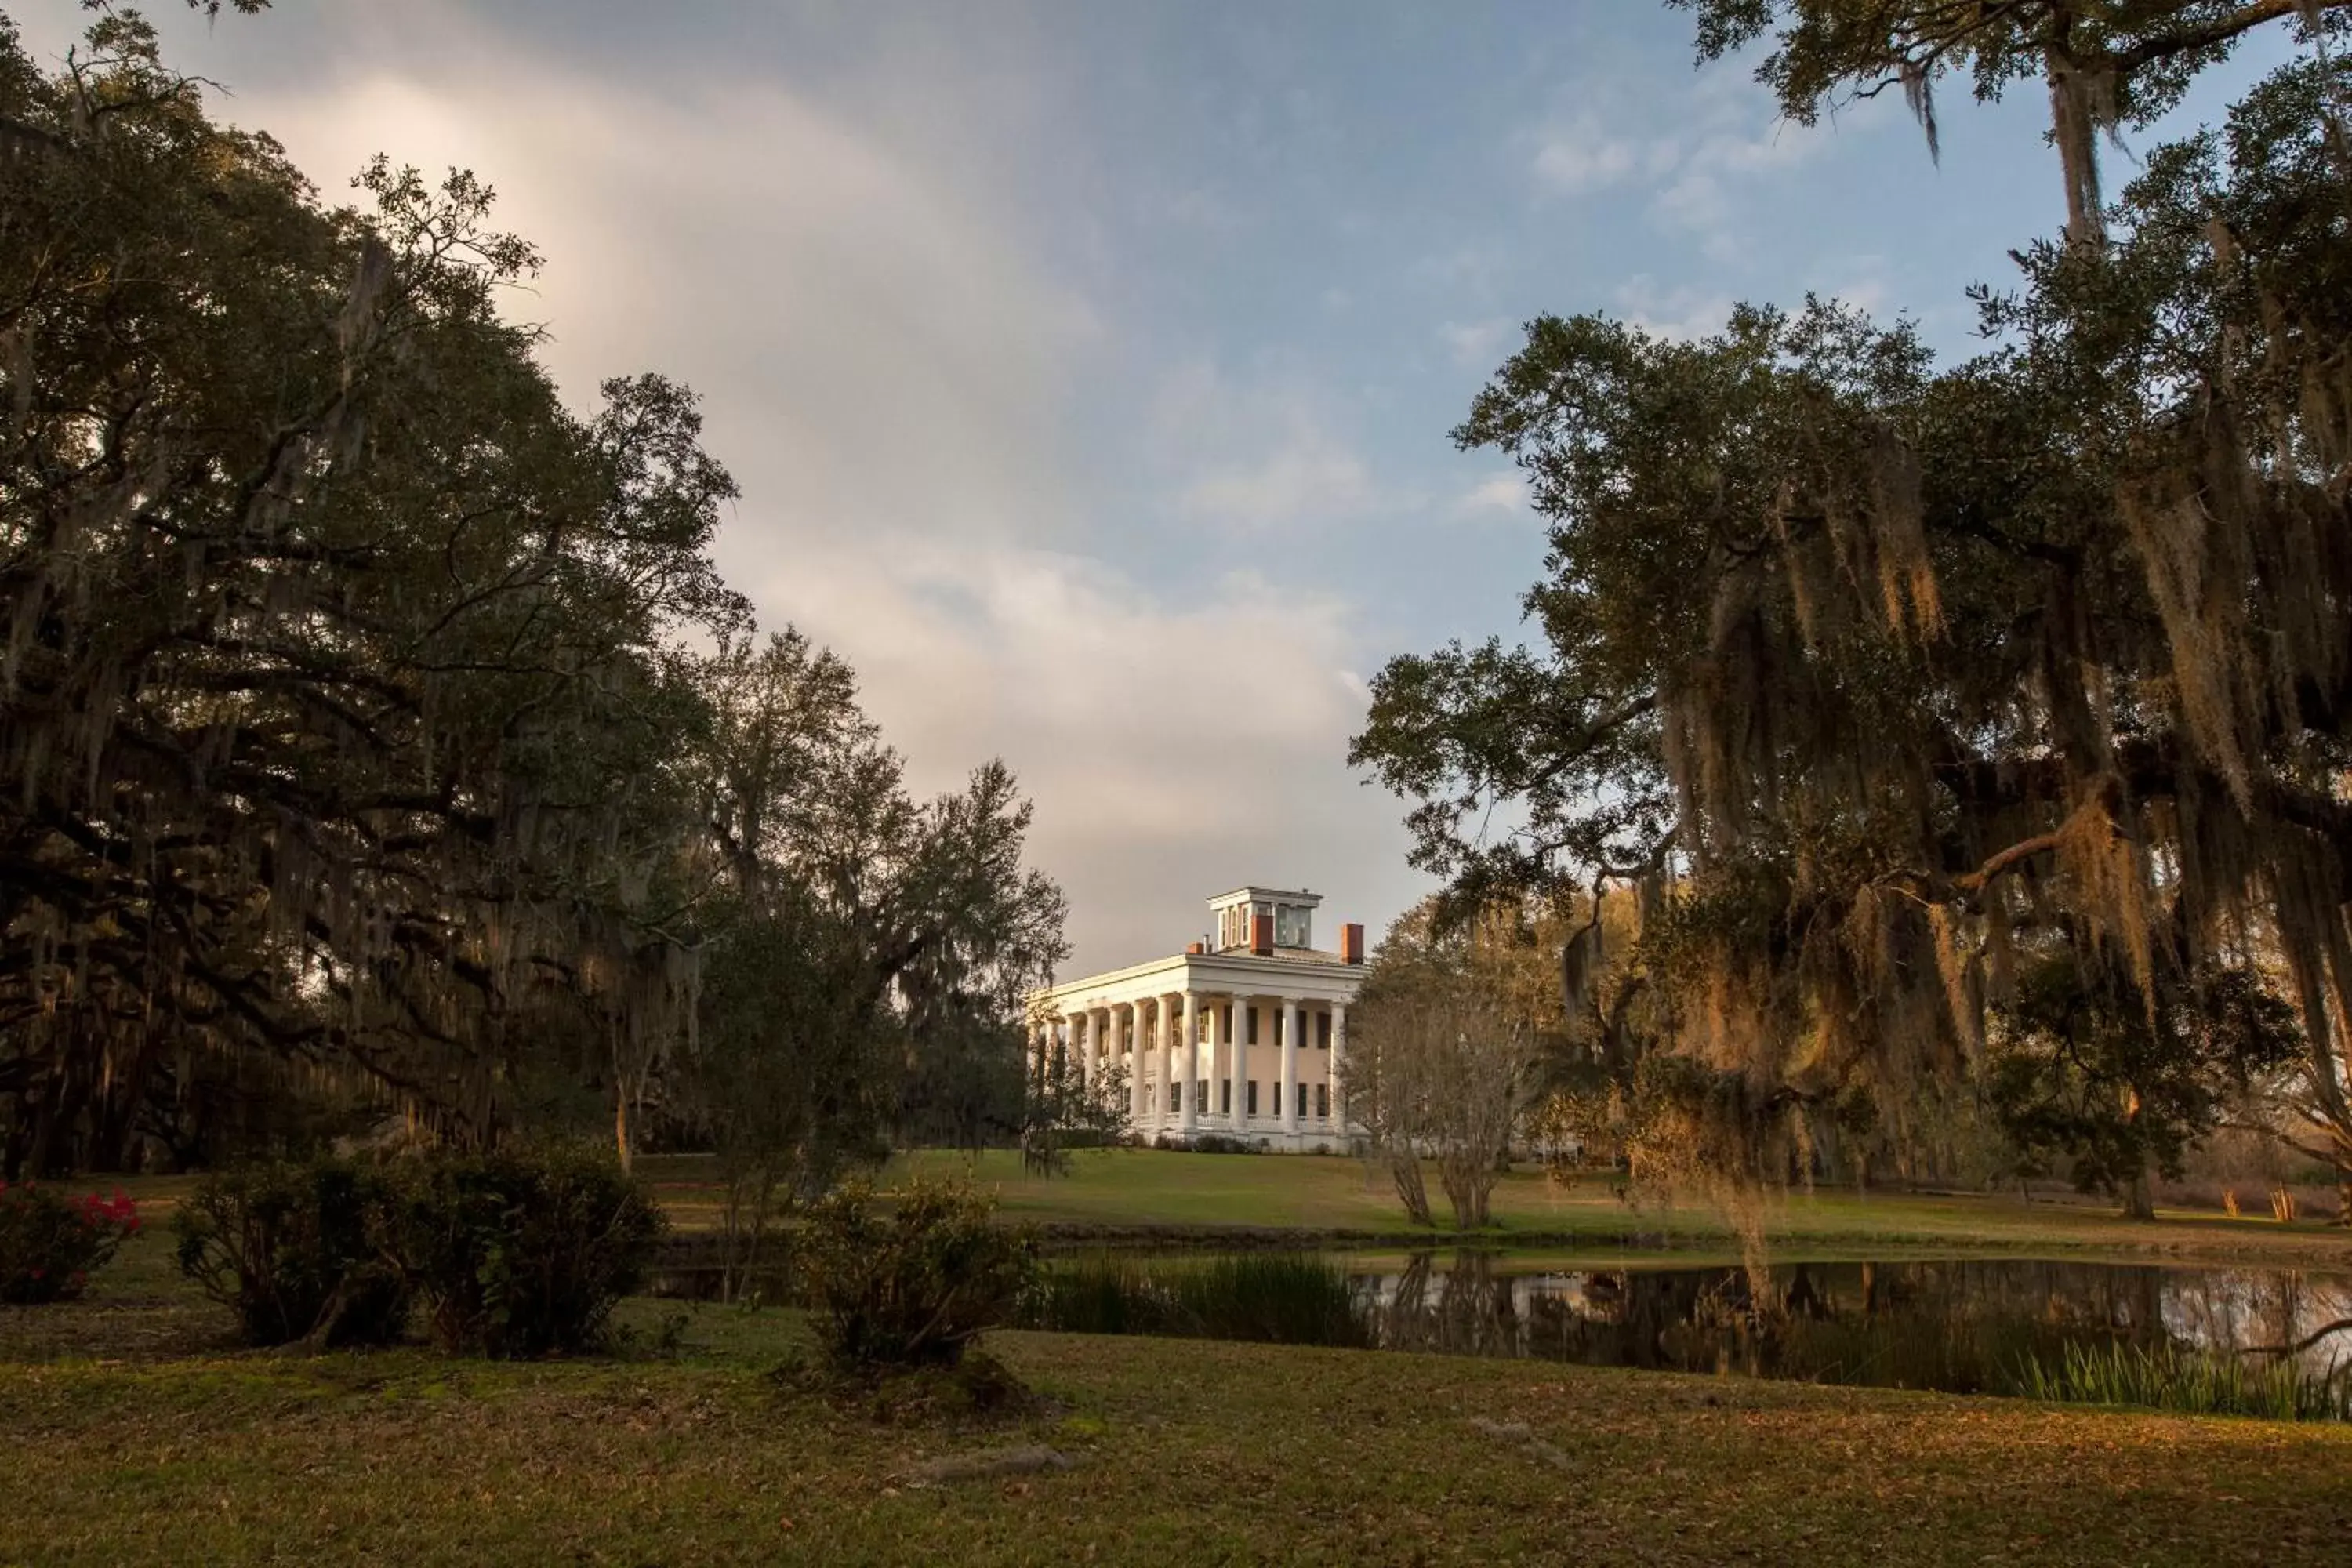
(1961, 1325)
(2251, 1341)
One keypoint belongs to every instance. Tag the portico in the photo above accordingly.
(1244, 1034)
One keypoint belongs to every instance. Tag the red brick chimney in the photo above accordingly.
(1261, 935)
(1195, 949)
(1352, 944)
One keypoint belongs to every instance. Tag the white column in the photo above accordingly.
(1315, 1025)
(1220, 1059)
(1190, 1076)
(1134, 1072)
(1123, 1037)
(1128, 1042)
(1238, 1027)
(1290, 1064)
(1339, 1067)
(1163, 1012)
(1086, 1056)
(1084, 1042)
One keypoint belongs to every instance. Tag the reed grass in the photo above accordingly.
(1273, 1298)
(2187, 1382)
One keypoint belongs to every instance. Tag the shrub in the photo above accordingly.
(522, 1252)
(914, 1284)
(294, 1251)
(1220, 1143)
(49, 1243)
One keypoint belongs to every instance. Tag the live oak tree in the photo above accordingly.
(334, 717)
(2107, 65)
(1911, 680)
(2119, 1084)
(372, 718)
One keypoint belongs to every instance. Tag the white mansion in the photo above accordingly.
(1237, 1035)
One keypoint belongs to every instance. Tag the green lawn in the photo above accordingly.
(137, 1436)
(1155, 1190)
(1142, 1195)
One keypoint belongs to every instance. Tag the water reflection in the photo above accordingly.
(1961, 1325)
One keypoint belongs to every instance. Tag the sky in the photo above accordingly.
(1088, 365)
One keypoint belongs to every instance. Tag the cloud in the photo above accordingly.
(1588, 155)
(1696, 153)
(1505, 492)
(1699, 198)
(1478, 344)
(891, 371)
(1255, 456)
(860, 333)
(1176, 744)
(1197, 207)
(1583, 158)
(1865, 287)
(1684, 314)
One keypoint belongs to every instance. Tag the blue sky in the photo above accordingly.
(1087, 364)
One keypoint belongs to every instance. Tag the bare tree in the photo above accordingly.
(1441, 1059)
(1386, 1082)
(1480, 1082)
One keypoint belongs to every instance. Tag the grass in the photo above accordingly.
(139, 1436)
(1132, 1196)
(1148, 1194)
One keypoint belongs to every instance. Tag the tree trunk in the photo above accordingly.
(1469, 1177)
(621, 1126)
(1404, 1170)
(2138, 1201)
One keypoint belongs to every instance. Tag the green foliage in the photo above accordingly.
(2191, 1382)
(2103, 65)
(356, 636)
(518, 1253)
(790, 1071)
(49, 1244)
(913, 1282)
(1879, 683)
(1221, 1144)
(386, 714)
(879, 947)
(1826, 51)
(297, 1252)
(862, 955)
(522, 1252)
(1275, 1297)
(2090, 1070)
(1062, 1110)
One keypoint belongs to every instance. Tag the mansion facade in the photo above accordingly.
(1241, 1036)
